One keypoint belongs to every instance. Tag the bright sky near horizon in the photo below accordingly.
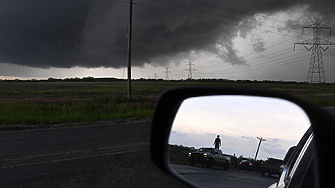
(239, 120)
(222, 39)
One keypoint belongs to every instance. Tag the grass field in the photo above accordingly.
(73, 102)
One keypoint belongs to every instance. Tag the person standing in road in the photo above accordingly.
(217, 142)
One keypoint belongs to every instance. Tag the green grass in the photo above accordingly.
(108, 100)
(101, 108)
(324, 102)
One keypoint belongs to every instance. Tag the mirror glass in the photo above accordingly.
(252, 131)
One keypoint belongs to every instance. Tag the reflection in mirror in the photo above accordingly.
(225, 140)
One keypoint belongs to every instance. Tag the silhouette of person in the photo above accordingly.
(217, 142)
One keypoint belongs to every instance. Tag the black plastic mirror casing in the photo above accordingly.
(168, 103)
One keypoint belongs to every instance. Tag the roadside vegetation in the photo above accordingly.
(88, 100)
(99, 108)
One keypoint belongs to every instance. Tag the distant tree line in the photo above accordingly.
(212, 80)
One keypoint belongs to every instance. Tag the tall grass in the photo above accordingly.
(324, 102)
(101, 108)
(108, 101)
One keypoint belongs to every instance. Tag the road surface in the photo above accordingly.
(215, 177)
(94, 156)
(91, 156)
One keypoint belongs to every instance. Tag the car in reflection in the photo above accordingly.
(209, 157)
(272, 166)
(245, 165)
(200, 156)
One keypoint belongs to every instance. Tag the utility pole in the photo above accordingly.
(190, 70)
(167, 72)
(316, 70)
(129, 49)
(259, 145)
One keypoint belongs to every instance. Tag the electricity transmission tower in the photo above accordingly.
(167, 72)
(155, 76)
(316, 70)
(190, 70)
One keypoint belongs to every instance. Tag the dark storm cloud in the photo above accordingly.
(158, 36)
(92, 33)
(40, 33)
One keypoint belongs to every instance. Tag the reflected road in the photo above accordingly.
(211, 177)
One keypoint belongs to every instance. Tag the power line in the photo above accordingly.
(212, 122)
(275, 65)
(253, 53)
(191, 116)
(259, 66)
(253, 59)
(201, 11)
(215, 20)
(190, 72)
(218, 7)
(259, 63)
(241, 11)
(223, 16)
(299, 59)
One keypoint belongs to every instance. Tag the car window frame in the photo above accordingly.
(288, 171)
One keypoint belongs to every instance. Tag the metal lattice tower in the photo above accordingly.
(316, 72)
(155, 76)
(190, 70)
(167, 72)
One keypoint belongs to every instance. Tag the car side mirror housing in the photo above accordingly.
(170, 102)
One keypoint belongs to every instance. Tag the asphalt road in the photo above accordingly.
(91, 156)
(95, 156)
(215, 177)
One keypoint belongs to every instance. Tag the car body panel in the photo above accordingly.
(209, 157)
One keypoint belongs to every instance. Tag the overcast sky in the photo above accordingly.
(223, 39)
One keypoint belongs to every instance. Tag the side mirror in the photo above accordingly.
(189, 118)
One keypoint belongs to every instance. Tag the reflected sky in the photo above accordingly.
(239, 120)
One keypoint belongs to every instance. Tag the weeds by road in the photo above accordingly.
(100, 108)
(46, 103)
